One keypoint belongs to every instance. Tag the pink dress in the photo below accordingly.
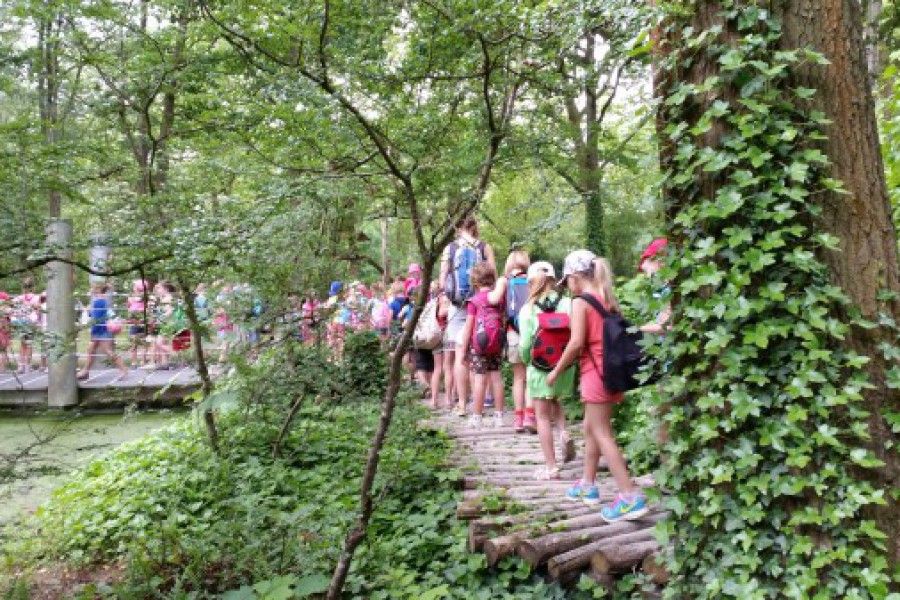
(592, 389)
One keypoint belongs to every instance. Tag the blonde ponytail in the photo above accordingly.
(603, 281)
(540, 286)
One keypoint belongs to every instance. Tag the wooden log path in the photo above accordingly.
(513, 514)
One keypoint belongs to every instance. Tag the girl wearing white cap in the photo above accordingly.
(543, 299)
(588, 276)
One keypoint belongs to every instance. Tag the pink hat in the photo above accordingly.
(414, 268)
(652, 250)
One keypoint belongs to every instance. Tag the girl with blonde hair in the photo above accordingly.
(544, 299)
(590, 279)
(512, 289)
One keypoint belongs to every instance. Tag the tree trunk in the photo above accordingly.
(206, 383)
(861, 219)
(874, 53)
(49, 40)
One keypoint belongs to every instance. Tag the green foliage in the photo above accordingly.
(767, 459)
(890, 135)
(364, 367)
(247, 525)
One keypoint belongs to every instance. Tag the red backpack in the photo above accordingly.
(552, 337)
(489, 337)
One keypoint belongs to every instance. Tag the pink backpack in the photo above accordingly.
(381, 315)
(489, 337)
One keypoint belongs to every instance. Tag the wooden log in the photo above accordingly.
(474, 482)
(571, 534)
(499, 468)
(655, 567)
(531, 495)
(498, 548)
(605, 580)
(481, 529)
(622, 559)
(474, 507)
(522, 492)
(579, 558)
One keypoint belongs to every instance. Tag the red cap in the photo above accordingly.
(4, 296)
(652, 250)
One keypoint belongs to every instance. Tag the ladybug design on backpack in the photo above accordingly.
(552, 336)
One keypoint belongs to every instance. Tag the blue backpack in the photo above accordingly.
(516, 297)
(462, 258)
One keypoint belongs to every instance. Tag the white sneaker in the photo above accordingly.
(475, 421)
(498, 419)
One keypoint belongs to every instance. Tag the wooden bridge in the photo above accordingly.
(104, 388)
(512, 514)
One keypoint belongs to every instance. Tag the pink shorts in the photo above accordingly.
(594, 392)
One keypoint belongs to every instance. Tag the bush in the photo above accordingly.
(250, 526)
(363, 370)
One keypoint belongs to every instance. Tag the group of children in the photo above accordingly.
(22, 318)
(152, 318)
(544, 326)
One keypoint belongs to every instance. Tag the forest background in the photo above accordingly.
(280, 145)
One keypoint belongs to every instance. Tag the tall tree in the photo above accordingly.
(577, 128)
(787, 294)
(426, 91)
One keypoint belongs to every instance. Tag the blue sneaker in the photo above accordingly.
(488, 402)
(589, 494)
(624, 510)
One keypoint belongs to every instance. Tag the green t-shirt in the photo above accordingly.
(535, 378)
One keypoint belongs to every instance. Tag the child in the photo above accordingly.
(5, 330)
(587, 275)
(649, 265)
(512, 290)
(413, 279)
(163, 308)
(101, 338)
(421, 360)
(380, 313)
(437, 294)
(484, 337)
(398, 300)
(543, 298)
(25, 313)
(136, 316)
(222, 322)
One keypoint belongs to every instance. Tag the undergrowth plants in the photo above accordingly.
(767, 424)
(250, 524)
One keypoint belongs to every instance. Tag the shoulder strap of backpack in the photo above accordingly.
(598, 306)
(480, 248)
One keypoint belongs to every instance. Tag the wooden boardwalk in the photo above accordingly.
(30, 389)
(512, 514)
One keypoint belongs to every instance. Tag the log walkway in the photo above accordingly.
(512, 514)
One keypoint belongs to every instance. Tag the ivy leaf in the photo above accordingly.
(798, 171)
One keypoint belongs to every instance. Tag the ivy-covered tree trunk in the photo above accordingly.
(866, 266)
(785, 283)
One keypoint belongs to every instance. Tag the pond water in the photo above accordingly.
(38, 450)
